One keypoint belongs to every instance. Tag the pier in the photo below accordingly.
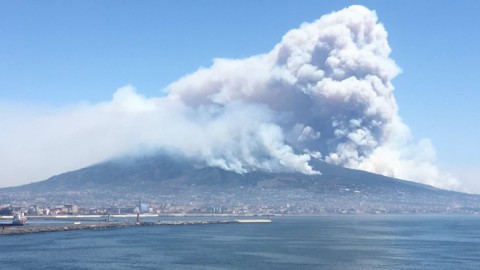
(10, 230)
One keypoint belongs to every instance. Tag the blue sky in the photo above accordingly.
(58, 53)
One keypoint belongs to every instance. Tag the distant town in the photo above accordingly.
(242, 201)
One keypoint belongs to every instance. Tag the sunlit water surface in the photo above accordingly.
(325, 242)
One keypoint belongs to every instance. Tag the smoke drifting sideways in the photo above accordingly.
(324, 92)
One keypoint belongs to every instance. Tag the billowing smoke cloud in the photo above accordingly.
(323, 92)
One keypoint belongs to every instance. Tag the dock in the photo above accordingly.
(11, 230)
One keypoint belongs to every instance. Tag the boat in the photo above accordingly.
(6, 210)
(18, 219)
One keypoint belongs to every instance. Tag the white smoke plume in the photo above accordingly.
(323, 92)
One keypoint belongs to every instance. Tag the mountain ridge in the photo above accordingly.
(177, 179)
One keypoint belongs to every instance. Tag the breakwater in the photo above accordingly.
(4, 230)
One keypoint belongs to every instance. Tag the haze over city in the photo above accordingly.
(384, 87)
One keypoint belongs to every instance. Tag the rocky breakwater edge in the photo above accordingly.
(106, 225)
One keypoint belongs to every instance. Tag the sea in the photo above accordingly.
(340, 242)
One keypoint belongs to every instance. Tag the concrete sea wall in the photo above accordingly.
(4, 230)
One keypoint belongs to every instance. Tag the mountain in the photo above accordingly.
(170, 179)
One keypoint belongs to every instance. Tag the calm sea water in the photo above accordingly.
(330, 242)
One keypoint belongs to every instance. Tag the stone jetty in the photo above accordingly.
(9, 230)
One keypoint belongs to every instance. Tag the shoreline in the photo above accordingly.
(15, 230)
(143, 215)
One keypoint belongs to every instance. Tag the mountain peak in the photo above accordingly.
(176, 179)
